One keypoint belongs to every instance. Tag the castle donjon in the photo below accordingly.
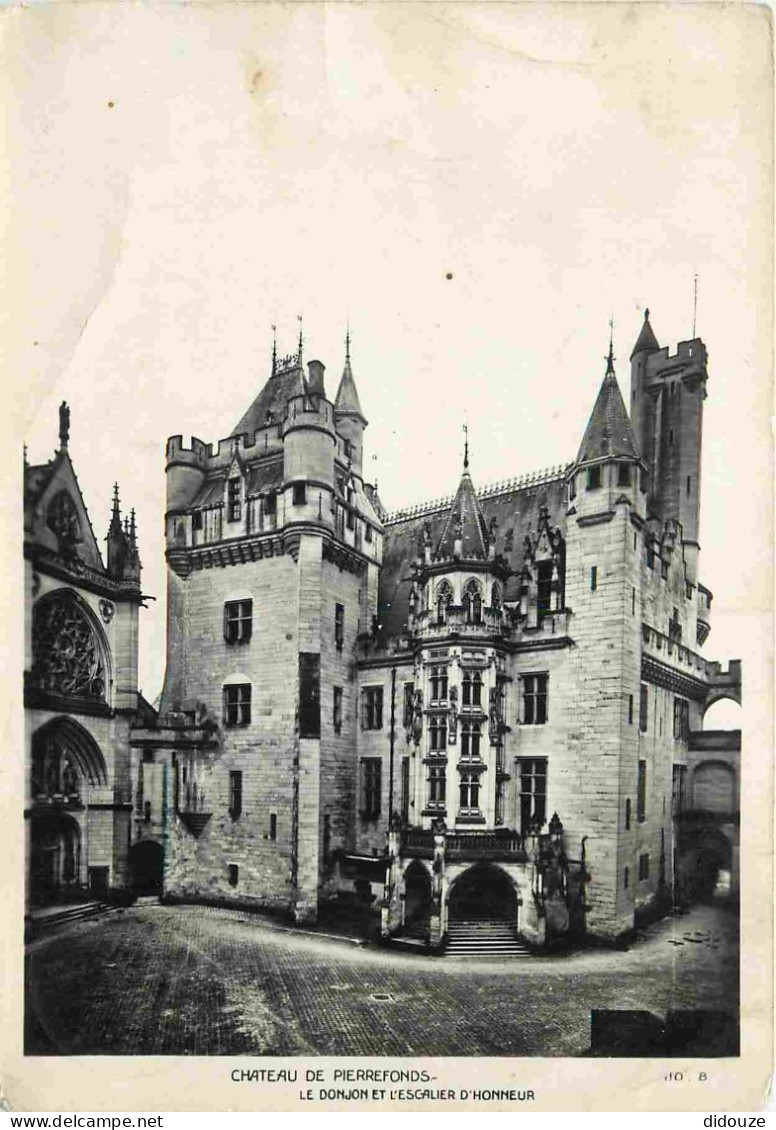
(480, 713)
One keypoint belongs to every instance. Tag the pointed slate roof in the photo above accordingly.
(608, 432)
(474, 532)
(646, 341)
(273, 398)
(347, 402)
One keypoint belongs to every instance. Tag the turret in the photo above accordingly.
(309, 445)
(608, 467)
(116, 539)
(667, 409)
(349, 417)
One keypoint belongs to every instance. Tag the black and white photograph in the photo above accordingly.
(393, 385)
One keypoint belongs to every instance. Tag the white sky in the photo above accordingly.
(180, 177)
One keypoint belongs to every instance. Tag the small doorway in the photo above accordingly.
(147, 861)
(417, 900)
(55, 859)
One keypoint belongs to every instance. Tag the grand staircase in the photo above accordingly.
(483, 937)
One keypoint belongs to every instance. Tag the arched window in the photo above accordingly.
(444, 597)
(496, 597)
(472, 601)
(67, 658)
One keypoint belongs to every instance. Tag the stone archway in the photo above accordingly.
(705, 864)
(146, 860)
(483, 892)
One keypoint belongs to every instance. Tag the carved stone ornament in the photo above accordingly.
(107, 610)
(62, 519)
(66, 655)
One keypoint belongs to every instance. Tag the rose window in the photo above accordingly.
(66, 654)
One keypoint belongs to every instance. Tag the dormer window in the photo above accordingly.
(234, 500)
(593, 478)
(543, 587)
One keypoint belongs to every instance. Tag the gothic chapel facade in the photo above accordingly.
(481, 710)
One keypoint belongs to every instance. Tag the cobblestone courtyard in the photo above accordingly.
(157, 980)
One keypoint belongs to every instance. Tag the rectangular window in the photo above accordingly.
(351, 521)
(470, 741)
(627, 814)
(237, 704)
(633, 602)
(147, 812)
(688, 484)
(630, 709)
(593, 578)
(234, 500)
(470, 793)
(238, 621)
(367, 532)
(273, 826)
(235, 794)
(641, 793)
(543, 587)
(626, 877)
(371, 770)
(532, 772)
(233, 872)
(437, 786)
(409, 705)
(643, 707)
(299, 494)
(572, 488)
(535, 698)
(623, 475)
(337, 710)
(196, 520)
(372, 708)
(681, 719)
(271, 504)
(471, 689)
(437, 733)
(405, 790)
(679, 789)
(593, 478)
(339, 626)
(438, 684)
(643, 867)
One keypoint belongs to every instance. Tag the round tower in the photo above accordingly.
(309, 445)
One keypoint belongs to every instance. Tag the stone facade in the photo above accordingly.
(80, 690)
(479, 709)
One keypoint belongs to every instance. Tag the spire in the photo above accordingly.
(608, 432)
(346, 401)
(646, 342)
(274, 350)
(64, 425)
(610, 358)
(132, 529)
(466, 448)
(115, 518)
(301, 339)
(465, 524)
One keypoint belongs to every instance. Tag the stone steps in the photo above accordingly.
(483, 937)
(67, 914)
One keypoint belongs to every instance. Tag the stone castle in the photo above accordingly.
(483, 710)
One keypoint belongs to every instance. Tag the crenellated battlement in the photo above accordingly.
(196, 454)
(690, 354)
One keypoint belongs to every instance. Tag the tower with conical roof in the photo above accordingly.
(605, 522)
(351, 421)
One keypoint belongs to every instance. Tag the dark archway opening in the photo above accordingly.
(55, 864)
(705, 866)
(147, 862)
(483, 893)
(417, 900)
